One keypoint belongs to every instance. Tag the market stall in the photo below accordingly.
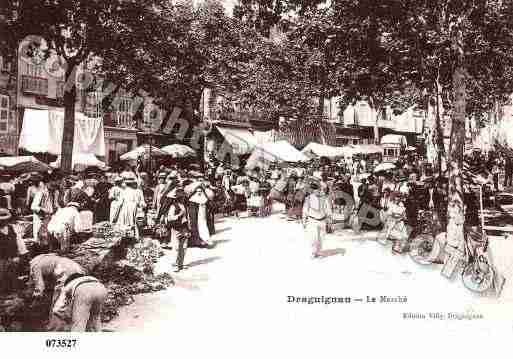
(179, 151)
(23, 164)
(81, 161)
(274, 152)
(320, 150)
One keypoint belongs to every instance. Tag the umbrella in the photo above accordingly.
(81, 161)
(179, 151)
(387, 166)
(143, 151)
(411, 148)
(23, 164)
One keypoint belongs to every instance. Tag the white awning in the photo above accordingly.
(367, 149)
(241, 140)
(42, 132)
(274, 152)
(394, 140)
(324, 150)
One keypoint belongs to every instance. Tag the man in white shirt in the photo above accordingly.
(317, 212)
(65, 223)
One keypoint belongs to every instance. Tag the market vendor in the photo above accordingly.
(49, 272)
(80, 303)
(66, 222)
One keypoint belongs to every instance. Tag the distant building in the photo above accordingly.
(8, 115)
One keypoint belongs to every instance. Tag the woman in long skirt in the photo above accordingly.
(115, 195)
(133, 200)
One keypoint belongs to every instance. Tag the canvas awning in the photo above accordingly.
(42, 132)
(241, 141)
(323, 150)
(393, 139)
(272, 152)
(367, 149)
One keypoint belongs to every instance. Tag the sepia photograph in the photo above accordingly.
(265, 175)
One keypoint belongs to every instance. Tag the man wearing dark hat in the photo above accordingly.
(317, 213)
(176, 219)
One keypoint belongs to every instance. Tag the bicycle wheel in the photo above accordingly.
(478, 275)
(425, 249)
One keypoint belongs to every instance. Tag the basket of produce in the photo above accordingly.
(102, 229)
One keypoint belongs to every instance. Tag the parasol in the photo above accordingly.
(411, 148)
(81, 161)
(387, 166)
(179, 151)
(143, 151)
(23, 164)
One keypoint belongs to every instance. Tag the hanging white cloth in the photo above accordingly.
(42, 131)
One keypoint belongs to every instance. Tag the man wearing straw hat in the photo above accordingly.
(317, 213)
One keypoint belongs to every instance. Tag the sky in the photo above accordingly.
(228, 4)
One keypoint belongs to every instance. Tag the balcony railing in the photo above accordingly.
(125, 120)
(34, 85)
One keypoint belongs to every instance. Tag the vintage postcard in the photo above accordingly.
(261, 177)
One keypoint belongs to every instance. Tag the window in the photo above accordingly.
(4, 113)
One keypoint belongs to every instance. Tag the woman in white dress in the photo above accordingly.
(133, 201)
(115, 195)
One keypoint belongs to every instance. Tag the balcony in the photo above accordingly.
(34, 85)
(120, 120)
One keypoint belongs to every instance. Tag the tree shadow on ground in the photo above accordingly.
(223, 230)
(332, 252)
(221, 241)
(202, 261)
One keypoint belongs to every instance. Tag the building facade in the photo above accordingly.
(8, 116)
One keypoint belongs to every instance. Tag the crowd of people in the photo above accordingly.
(177, 206)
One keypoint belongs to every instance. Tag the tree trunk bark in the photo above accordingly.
(70, 95)
(455, 213)
(439, 132)
(375, 108)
